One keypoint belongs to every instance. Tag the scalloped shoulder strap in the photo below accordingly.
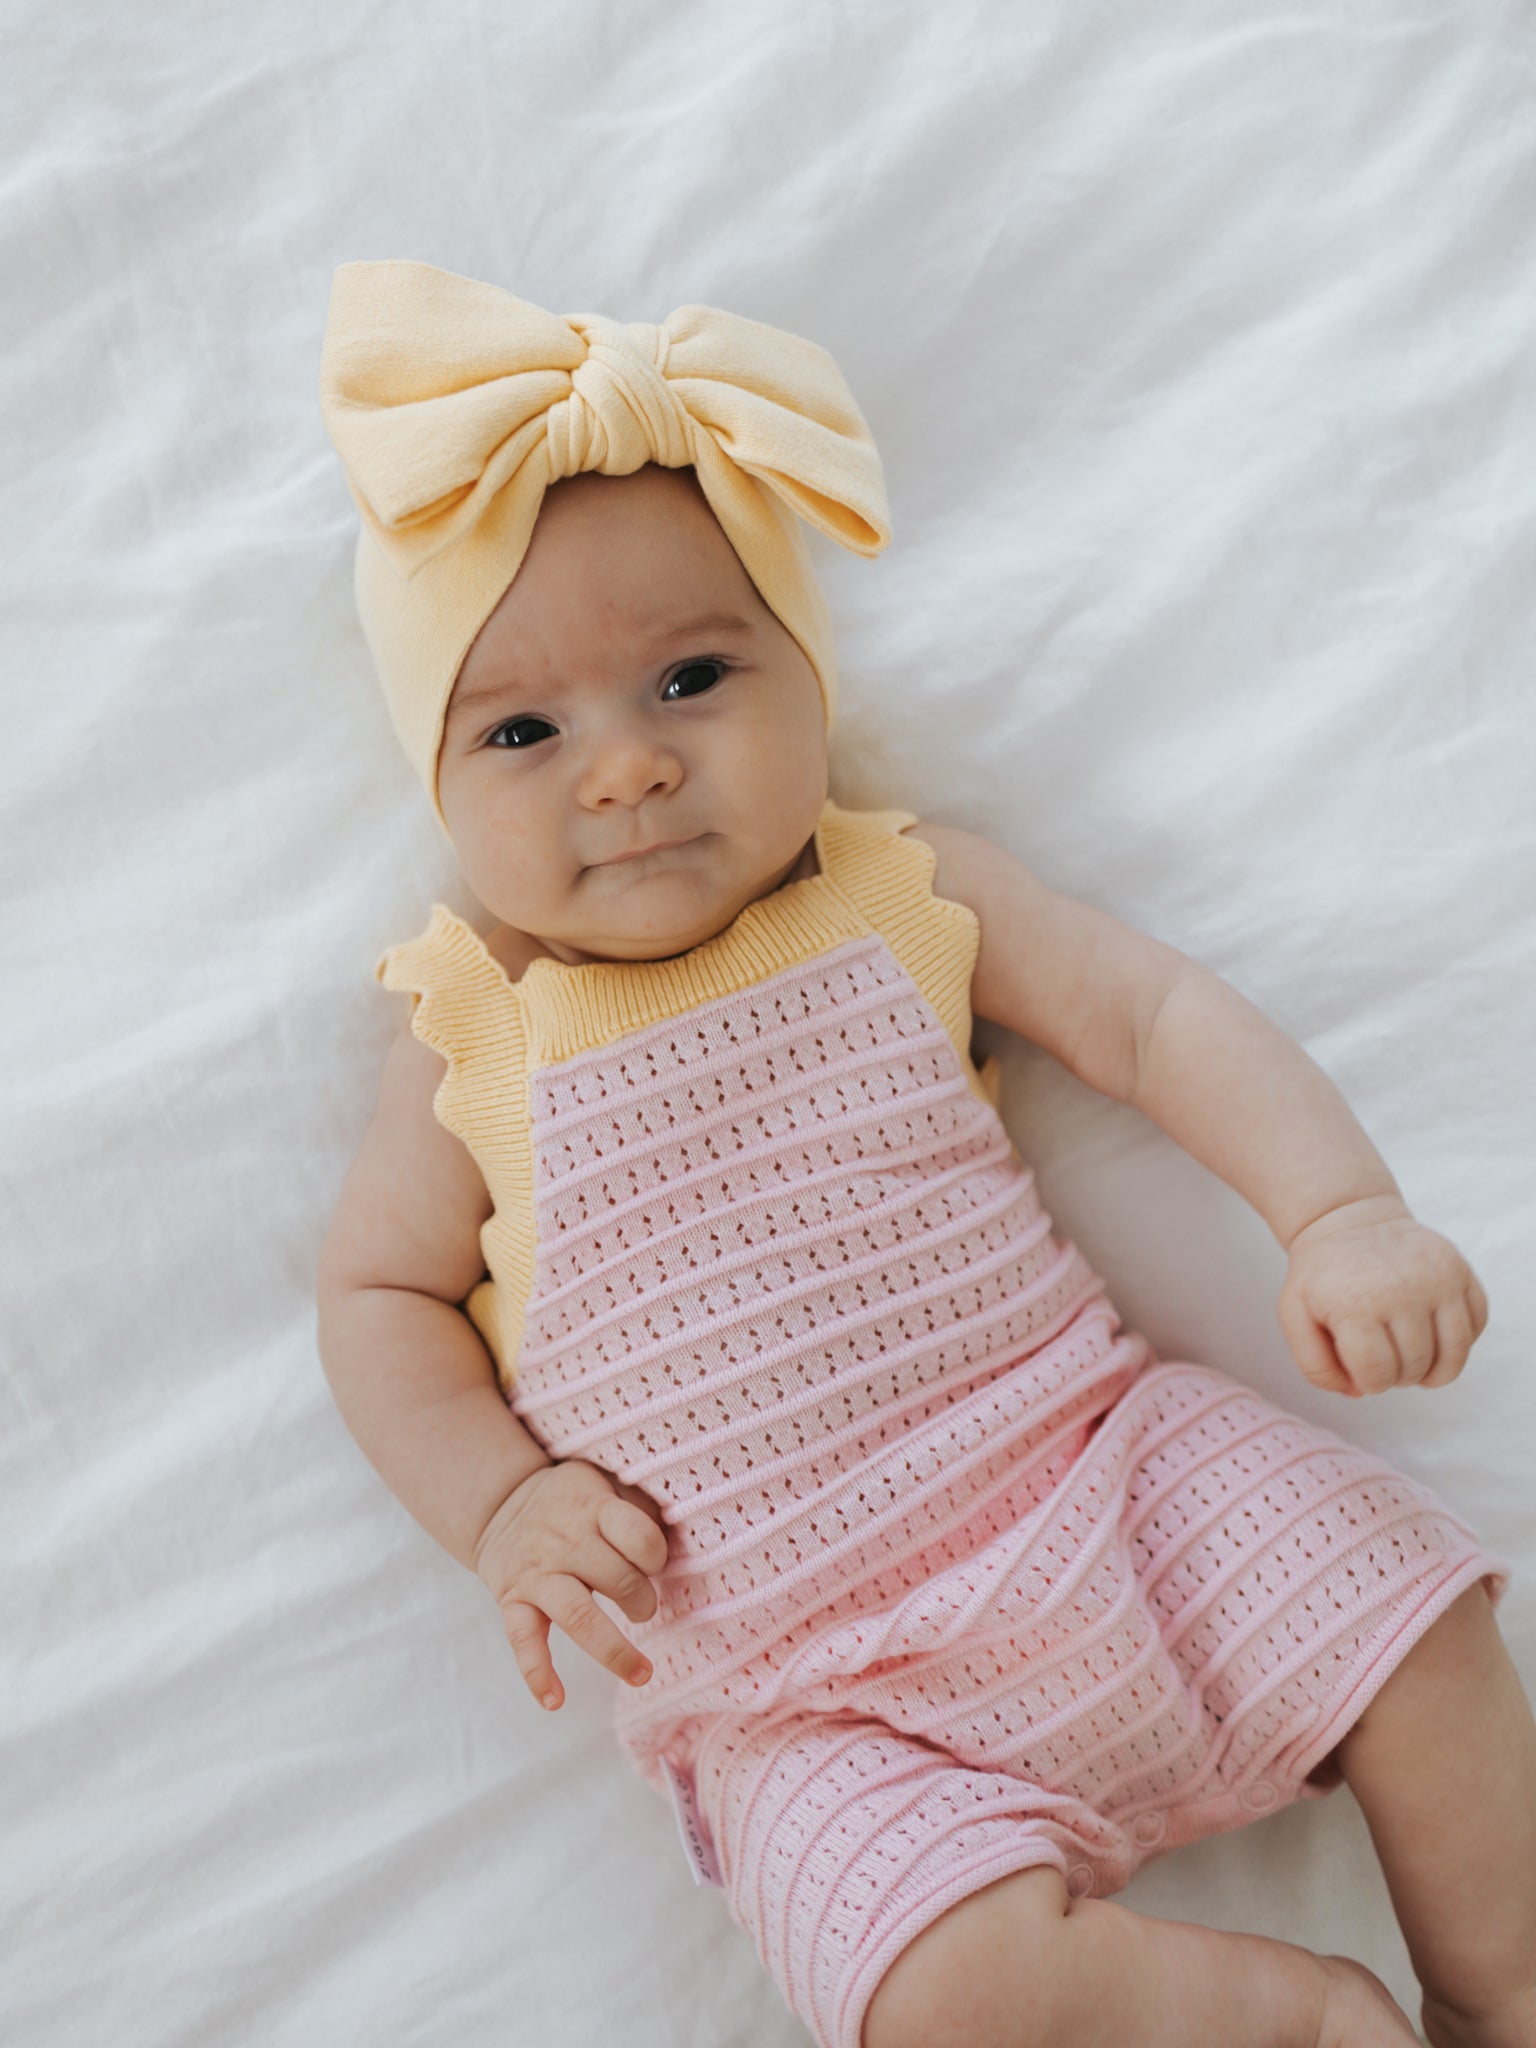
(888, 877)
(467, 1010)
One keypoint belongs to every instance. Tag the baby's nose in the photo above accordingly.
(626, 770)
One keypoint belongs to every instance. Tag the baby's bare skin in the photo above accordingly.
(1458, 1848)
(631, 689)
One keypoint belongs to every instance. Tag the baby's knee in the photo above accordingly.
(975, 1977)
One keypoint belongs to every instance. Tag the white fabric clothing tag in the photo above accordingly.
(701, 1851)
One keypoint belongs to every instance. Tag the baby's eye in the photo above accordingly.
(506, 735)
(691, 669)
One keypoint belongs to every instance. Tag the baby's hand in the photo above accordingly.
(1374, 1300)
(565, 1532)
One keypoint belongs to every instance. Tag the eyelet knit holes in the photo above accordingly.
(793, 1280)
(788, 1266)
(957, 1573)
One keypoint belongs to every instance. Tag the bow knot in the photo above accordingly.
(620, 412)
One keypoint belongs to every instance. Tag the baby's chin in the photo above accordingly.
(654, 923)
(651, 908)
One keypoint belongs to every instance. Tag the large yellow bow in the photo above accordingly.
(454, 406)
(437, 390)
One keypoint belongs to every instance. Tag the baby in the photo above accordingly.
(687, 1264)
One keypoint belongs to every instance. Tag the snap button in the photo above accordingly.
(1147, 1828)
(1260, 1795)
(1080, 1880)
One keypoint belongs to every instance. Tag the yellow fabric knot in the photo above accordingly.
(621, 413)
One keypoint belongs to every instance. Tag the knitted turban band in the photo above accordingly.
(454, 406)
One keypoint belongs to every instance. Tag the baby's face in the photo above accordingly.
(631, 688)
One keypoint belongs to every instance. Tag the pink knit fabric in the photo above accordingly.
(962, 1579)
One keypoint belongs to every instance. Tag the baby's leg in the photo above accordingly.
(1019, 1965)
(1443, 1762)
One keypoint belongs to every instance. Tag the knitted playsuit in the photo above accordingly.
(962, 1579)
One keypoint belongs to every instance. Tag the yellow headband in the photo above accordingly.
(454, 406)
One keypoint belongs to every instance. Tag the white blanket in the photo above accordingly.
(1196, 340)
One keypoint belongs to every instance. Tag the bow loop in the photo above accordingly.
(438, 391)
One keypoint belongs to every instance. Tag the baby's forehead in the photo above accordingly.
(643, 551)
(655, 479)
(618, 571)
(613, 509)
(646, 496)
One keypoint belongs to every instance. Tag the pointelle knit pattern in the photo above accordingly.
(962, 1578)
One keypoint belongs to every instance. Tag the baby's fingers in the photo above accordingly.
(1417, 1338)
(1477, 1301)
(528, 1633)
(1311, 1346)
(570, 1603)
(627, 1544)
(1367, 1353)
(633, 1533)
(1453, 1326)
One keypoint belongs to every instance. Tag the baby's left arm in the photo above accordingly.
(1372, 1298)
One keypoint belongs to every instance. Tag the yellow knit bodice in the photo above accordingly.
(495, 1033)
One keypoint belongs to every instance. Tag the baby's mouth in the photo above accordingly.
(644, 852)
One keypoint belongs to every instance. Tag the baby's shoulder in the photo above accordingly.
(965, 865)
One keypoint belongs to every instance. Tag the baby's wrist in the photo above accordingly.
(503, 1506)
(1379, 1207)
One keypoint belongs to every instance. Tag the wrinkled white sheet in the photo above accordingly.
(1197, 340)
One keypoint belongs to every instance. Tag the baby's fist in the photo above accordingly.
(1373, 1300)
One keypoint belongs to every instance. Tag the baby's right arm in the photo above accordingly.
(418, 1390)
